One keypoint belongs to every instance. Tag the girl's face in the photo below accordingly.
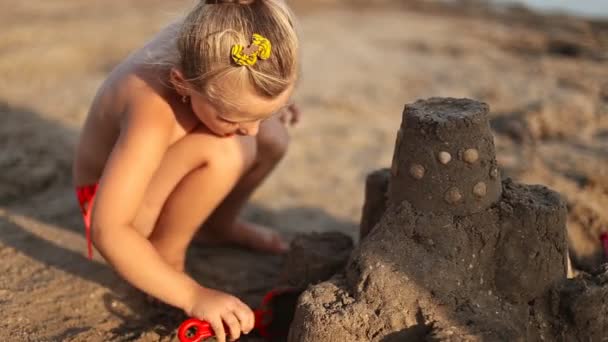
(240, 113)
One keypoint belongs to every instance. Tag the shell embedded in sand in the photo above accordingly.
(494, 173)
(417, 171)
(470, 156)
(444, 157)
(480, 189)
(453, 196)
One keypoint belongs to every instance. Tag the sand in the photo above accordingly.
(544, 79)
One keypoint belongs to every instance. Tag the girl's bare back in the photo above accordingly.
(140, 77)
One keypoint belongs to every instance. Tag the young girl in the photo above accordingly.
(180, 134)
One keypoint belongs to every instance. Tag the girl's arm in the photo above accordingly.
(142, 143)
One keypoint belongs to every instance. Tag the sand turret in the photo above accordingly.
(444, 159)
(448, 251)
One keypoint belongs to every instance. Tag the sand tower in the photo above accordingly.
(449, 251)
(444, 158)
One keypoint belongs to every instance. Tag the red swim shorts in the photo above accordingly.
(86, 195)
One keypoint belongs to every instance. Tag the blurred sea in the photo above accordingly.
(589, 8)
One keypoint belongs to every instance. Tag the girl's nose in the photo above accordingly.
(249, 128)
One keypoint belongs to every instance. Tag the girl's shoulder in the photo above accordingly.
(148, 93)
(145, 73)
(130, 86)
(140, 83)
(150, 97)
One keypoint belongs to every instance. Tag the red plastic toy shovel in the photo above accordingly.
(272, 319)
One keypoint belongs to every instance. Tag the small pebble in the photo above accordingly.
(494, 173)
(453, 196)
(417, 171)
(444, 157)
(480, 189)
(470, 156)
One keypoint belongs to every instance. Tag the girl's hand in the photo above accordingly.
(226, 314)
(290, 115)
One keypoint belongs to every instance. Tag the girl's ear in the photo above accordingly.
(179, 82)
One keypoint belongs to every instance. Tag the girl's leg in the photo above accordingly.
(223, 226)
(196, 174)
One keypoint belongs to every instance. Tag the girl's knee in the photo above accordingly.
(220, 153)
(233, 154)
(272, 142)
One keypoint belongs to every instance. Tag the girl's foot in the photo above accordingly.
(244, 234)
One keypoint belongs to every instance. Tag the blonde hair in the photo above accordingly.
(211, 29)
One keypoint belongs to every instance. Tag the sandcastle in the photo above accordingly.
(448, 251)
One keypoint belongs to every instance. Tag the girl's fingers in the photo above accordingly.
(218, 329)
(233, 324)
(246, 317)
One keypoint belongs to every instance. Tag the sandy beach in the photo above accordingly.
(544, 78)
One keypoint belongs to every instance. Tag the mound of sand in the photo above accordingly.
(455, 254)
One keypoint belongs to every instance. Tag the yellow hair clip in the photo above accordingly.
(260, 48)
